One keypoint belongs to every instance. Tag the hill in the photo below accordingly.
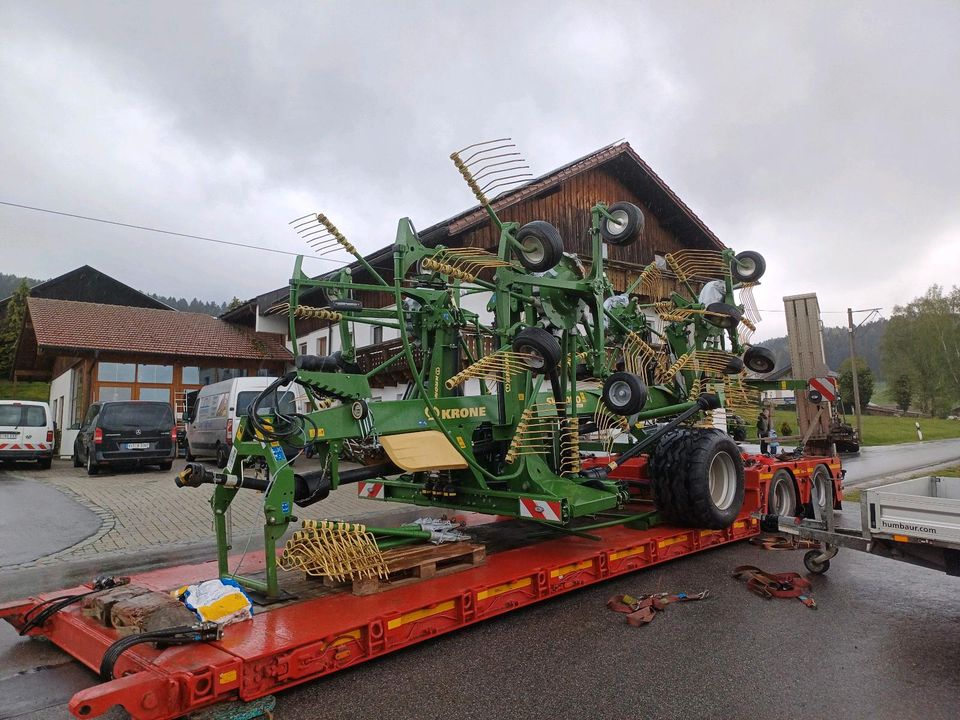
(836, 347)
(9, 283)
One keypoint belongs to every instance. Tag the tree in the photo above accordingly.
(903, 392)
(234, 303)
(864, 382)
(10, 328)
(922, 341)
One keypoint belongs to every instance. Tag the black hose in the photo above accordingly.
(52, 606)
(180, 635)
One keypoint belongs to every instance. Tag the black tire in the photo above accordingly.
(626, 228)
(748, 266)
(814, 567)
(681, 466)
(540, 344)
(815, 396)
(76, 457)
(223, 455)
(821, 479)
(540, 246)
(734, 367)
(782, 495)
(359, 410)
(168, 465)
(760, 359)
(92, 467)
(44, 463)
(345, 365)
(724, 316)
(624, 393)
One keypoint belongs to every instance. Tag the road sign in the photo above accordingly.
(826, 386)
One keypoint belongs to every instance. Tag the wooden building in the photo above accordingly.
(96, 351)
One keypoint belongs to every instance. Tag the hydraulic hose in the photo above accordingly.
(54, 605)
(180, 635)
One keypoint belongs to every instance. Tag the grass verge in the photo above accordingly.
(877, 429)
(24, 391)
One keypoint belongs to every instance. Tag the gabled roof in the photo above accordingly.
(87, 284)
(619, 155)
(82, 326)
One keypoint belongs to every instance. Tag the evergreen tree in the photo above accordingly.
(903, 392)
(10, 328)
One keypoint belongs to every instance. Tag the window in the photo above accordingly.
(10, 414)
(303, 348)
(377, 335)
(34, 416)
(155, 394)
(159, 374)
(91, 415)
(128, 417)
(191, 375)
(210, 375)
(116, 372)
(321, 346)
(288, 402)
(108, 394)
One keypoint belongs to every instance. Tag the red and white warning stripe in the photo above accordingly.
(370, 490)
(540, 509)
(826, 386)
(25, 446)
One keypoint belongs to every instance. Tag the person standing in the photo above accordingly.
(763, 431)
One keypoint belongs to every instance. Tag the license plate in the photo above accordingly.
(137, 446)
(9, 436)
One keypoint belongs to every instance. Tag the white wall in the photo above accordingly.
(61, 391)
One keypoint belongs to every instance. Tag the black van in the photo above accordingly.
(131, 432)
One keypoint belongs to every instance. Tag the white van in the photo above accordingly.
(215, 415)
(26, 431)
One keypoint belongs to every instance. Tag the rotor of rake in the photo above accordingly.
(321, 234)
(498, 367)
(491, 165)
(336, 550)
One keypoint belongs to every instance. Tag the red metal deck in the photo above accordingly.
(286, 645)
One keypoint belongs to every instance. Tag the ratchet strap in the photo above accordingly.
(778, 585)
(643, 609)
(781, 542)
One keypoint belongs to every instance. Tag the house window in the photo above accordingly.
(155, 394)
(191, 375)
(116, 372)
(377, 335)
(157, 374)
(321, 346)
(109, 394)
(303, 348)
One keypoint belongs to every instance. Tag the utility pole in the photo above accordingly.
(853, 370)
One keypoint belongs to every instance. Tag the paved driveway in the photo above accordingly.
(140, 510)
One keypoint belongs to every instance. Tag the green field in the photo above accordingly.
(24, 391)
(878, 429)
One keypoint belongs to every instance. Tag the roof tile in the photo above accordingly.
(93, 326)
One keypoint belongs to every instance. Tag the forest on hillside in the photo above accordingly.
(836, 347)
(9, 283)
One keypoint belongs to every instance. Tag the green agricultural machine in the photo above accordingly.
(526, 408)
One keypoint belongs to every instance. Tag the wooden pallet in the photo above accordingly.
(412, 564)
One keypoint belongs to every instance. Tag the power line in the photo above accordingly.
(166, 232)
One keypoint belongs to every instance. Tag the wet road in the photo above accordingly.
(884, 643)
(37, 520)
(876, 462)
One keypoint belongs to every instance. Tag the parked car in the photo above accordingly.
(27, 432)
(215, 416)
(131, 432)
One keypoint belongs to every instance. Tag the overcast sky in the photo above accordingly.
(824, 135)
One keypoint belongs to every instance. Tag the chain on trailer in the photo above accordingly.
(503, 406)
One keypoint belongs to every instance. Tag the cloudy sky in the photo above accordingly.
(824, 135)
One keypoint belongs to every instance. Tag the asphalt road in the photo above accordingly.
(37, 520)
(875, 462)
(884, 643)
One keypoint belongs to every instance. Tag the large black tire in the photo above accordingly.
(723, 315)
(760, 359)
(782, 495)
(540, 344)
(92, 467)
(223, 455)
(681, 467)
(626, 225)
(734, 367)
(624, 393)
(822, 489)
(541, 246)
(748, 267)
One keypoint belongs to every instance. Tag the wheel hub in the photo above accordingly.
(722, 480)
